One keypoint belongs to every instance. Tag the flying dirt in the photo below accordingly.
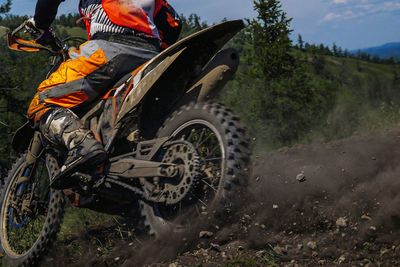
(345, 209)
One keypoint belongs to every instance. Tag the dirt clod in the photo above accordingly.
(205, 234)
(341, 222)
(312, 244)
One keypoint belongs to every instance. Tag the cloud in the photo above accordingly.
(339, 1)
(356, 9)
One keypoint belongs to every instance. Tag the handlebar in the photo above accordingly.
(54, 45)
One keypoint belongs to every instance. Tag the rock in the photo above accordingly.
(341, 222)
(215, 247)
(247, 217)
(260, 253)
(366, 217)
(240, 248)
(299, 246)
(312, 244)
(174, 264)
(117, 258)
(314, 254)
(341, 259)
(301, 177)
(384, 251)
(373, 228)
(279, 250)
(275, 206)
(205, 234)
(257, 178)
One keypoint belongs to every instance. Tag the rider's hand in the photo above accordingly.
(39, 35)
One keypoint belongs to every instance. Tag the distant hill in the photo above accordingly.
(384, 51)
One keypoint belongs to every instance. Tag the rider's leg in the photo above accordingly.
(89, 74)
(62, 127)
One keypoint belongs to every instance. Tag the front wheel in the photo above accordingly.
(30, 214)
(223, 154)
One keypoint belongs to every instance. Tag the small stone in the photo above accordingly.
(275, 206)
(279, 250)
(240, 248)
(257, 178)
(312, 244)
(260, 253)
(117, 258)
(262, 226)
(215, 247)
(341, 222)
(299, 246)
(205, 234)
(373, 228)
(341, 259)
(173, 264)
(373, 158)
(247, 217)
(301, 177)
(384, 251)
(314, 254)
(366, 217)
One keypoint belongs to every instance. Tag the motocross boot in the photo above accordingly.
(63, 127)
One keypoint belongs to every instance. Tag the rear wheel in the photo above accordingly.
(223, 155)
(31, 212)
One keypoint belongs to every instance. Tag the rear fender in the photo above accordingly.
(167, 77)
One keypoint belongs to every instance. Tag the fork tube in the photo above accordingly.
(35, 148)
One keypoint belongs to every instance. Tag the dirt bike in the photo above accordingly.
(171, 151)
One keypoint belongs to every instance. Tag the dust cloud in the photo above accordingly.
(351, 185)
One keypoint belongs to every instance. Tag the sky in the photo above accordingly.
(351, 24)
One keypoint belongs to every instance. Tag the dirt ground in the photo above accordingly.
(321, 204)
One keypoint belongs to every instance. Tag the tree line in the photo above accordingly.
(337, 51)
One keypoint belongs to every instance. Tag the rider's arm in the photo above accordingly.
(45, 12)
(168, 23)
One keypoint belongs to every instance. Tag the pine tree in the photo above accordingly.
(271, 43)
(274, 92)
(4, 8)
(300, 42)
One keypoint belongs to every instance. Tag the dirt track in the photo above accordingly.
(346, 212)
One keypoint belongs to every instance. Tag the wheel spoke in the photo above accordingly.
(212, 159)
(200, 138)
(202, 142)
(203, 181)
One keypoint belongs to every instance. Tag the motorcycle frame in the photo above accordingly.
(191, 69)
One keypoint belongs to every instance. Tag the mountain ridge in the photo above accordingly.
(387, 50)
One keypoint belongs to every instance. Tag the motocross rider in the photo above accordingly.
(123, 34)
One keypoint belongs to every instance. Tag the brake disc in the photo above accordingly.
(184, 155)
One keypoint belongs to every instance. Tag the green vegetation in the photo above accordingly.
(301, 93)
